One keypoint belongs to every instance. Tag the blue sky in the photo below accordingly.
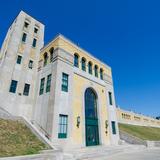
(124, 34)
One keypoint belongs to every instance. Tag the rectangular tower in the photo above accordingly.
(18, 65)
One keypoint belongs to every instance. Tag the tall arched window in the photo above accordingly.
(90, 104)
(101, 74)
(45, 59)
(96, 71)
(90, 67)
(83, 64)
(76, 60)
(51, 53)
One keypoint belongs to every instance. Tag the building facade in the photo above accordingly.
(81, 96)
(18, 65)
(65, 91)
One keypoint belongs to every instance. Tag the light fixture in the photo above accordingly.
(106, 126)
(78, 121)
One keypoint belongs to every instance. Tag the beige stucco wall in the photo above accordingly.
(79, 86)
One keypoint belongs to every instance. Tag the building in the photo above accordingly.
(76, 88)
(65, 91)
(18, 65)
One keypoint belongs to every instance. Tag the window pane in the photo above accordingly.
(83, 65)
(45, 59)
(51, 54)
(64, 86)
(34, 42)
(26, 89)
(62, 126)
(24, 37)
(35, 30)
(91, 104)
(19, 59)
(26, 24)
(113, 127)
(42, 86)
(30, 64)
(110, 98)
(76, 60)
(96, 71)
(90, 68)
(48, 83)
(101, 74)
(13, 86)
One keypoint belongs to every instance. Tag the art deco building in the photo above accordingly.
(69, 95)
(75, 102)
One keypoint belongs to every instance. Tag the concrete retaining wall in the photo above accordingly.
(132, 118)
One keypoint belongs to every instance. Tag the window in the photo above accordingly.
(64, 82)
(83, 64)
(26, 89)
(45, 59)
(76, 60)
(26, 24)
(96, 71)
(13, 86)
(90, 67)
(90, 104)
(48, 86)
(110, 98)
(63, 124)
(51, 54)
(35, 30)
(42, 86)
(30, 64)
(113, 127)
(34, 42)
(19, 59)
(24, 37)
(101, 74)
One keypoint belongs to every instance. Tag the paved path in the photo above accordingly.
(148, 154)
(121, 152)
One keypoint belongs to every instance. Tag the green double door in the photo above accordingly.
(91, 118)
(92, 135)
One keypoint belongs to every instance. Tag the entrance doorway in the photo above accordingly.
(91, 118)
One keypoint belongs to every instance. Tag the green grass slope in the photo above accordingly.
(144, 133)
(16, 139)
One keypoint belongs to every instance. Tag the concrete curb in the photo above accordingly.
(54, 155)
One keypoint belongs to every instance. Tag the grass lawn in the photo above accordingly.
(144, 133)
(16, 139)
